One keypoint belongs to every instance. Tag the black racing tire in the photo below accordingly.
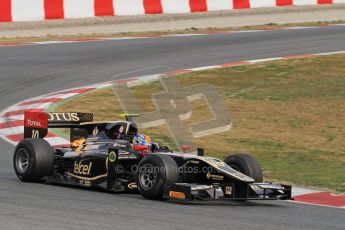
(246, 164)
(154, 172)
(33, 159)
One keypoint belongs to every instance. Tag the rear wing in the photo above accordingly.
(36, 124)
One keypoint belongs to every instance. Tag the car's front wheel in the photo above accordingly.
(33, 159)
(245, 164)
(154, 172)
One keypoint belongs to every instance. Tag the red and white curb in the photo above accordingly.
(32, 10)
(82, 40)
(11, 119)
(326, 199)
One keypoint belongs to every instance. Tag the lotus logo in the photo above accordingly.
(63, 117)
(228, 190)
(112, 156)
(95, 131)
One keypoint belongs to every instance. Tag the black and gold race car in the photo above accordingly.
(103, 154)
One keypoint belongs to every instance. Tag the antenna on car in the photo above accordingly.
(129, 117)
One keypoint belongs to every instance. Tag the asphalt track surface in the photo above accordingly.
(29, 71)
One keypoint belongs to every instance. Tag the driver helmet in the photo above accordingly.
(142, 139)
(115, 131)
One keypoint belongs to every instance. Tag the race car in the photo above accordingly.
(112, 155)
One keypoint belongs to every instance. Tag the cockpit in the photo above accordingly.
(100, 131)
(121, 130)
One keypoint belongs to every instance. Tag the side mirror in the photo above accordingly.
(200, 152)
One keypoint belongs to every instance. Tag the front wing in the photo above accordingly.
(228, 191)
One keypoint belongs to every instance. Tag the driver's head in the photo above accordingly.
(141, 139)
(115, 131)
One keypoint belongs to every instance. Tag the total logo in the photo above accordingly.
(82, 169)
(34, 123)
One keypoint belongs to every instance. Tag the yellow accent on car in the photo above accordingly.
(177, 195)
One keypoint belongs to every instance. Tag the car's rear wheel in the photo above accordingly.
(155, 171)
(246, 164)
(33, 159)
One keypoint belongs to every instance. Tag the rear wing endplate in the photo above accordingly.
(36, 124)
